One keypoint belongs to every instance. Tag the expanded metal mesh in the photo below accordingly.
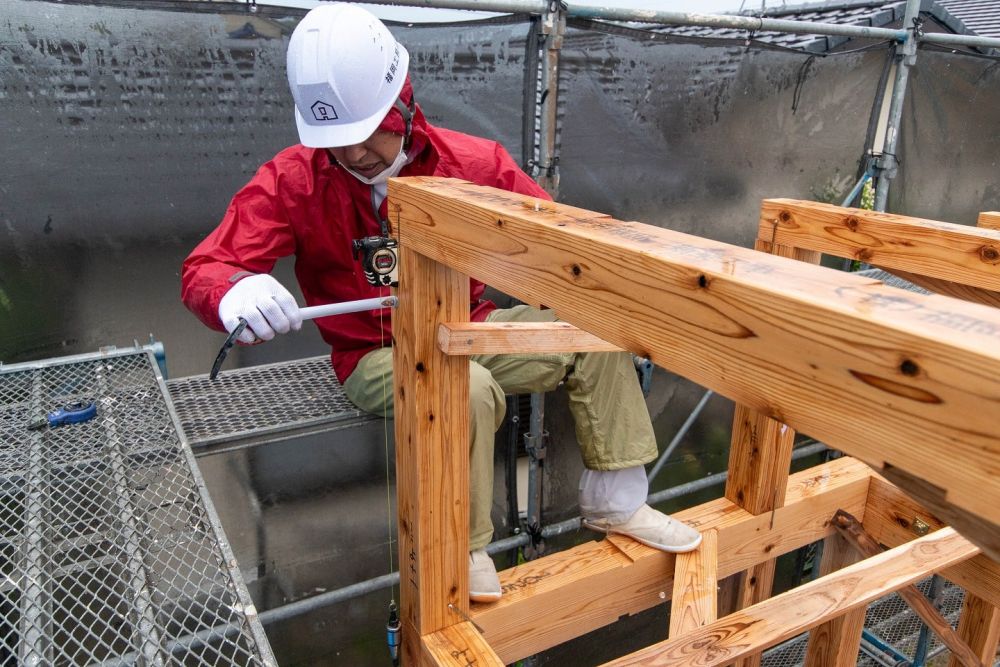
(109, 548)
(260, 400)
(891, 621)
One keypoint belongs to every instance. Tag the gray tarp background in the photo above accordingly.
(125, 133)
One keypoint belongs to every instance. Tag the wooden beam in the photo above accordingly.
(567, 594)
(696, 582)
(979, 627)
(893, 518)
(518, 337)
(851, 530)
(958, 253)
(834, 643)
(432, 473)
(458, 645)
(786, 615)
(892, 377)
(989, 220)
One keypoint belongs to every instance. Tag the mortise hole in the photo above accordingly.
(908, 368)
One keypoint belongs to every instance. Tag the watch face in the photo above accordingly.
(384, 261)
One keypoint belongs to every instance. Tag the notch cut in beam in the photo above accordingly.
(567, 594)
(852, 531)
(465, 338)
(942, 250)
(891, 377)
(786, 615)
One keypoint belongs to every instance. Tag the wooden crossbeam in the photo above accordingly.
(786, 615)
(989, 220)
(458, 645)
(567, 594)
(957, 253)
(851, 530)
(696, 582)
(517, 337)
(901, 380)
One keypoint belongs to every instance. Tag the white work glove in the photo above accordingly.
(267, 307)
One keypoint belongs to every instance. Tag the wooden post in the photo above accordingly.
(760, 455)
(979, 627)
(432, 451)
(693, 603)
(835, 643)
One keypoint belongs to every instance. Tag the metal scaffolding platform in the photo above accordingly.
(111, 551)
(262, 404)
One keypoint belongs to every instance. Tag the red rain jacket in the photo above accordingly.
(303, 203)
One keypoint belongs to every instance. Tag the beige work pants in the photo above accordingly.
(612, 424)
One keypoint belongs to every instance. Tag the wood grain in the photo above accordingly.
(696, 581)
(888, 376)
(834, 643)
(979, 627)
(432, 473)
(458, 645)
(989, 220)
(786, 615)
(518, 337)
(567, 594)
(958, 253)
(852, 530)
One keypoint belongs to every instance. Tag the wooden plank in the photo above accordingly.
(693, 603)
(567, 594)
(432, 474)
(979, 627)
(786, 615)
(892, 377)
(892, 518)
(518, 337)
(989, 220)
(851, 529)
(458, 645)
(958, 253)
(834, 643)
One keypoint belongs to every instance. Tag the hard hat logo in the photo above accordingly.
(323, 111)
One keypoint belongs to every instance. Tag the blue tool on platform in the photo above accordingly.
(71, 413)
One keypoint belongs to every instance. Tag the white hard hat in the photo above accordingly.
(345, 70)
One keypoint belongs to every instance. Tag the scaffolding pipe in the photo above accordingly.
(888, 162)
(685, 427)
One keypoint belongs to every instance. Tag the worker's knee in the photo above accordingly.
(486, 400)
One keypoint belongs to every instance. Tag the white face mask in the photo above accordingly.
(389, 172)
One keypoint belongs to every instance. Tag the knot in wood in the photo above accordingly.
(989, 253)
(852, 223)
(785, 216)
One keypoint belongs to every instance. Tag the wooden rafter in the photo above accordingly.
(696, 581)
(914, 382)
(989, 220)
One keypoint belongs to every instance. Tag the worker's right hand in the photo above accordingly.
(264, 303)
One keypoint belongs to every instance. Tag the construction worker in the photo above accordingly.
(359, 125)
